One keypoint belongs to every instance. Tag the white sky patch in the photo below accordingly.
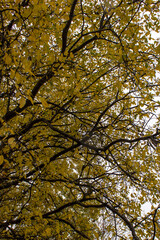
(155, 35)
(146, 208)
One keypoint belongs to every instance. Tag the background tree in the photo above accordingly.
(79, 133)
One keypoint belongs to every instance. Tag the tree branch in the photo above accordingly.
(66, 28)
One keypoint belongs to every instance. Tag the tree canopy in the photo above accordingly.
(79, 122)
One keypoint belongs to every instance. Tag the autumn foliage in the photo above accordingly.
(79, 121)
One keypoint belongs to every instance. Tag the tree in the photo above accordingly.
(79, 133)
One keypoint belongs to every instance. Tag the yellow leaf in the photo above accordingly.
(57, 228)
(44, 103)
(18, 77)
(22, 102)
(12, 73)
(1, 159)
(67, 9)
(157, 50)
(48, 231)
(61, 58)
(158, 67)
(12, 142)
(31, 99)
(71, 55)
(7, 59)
